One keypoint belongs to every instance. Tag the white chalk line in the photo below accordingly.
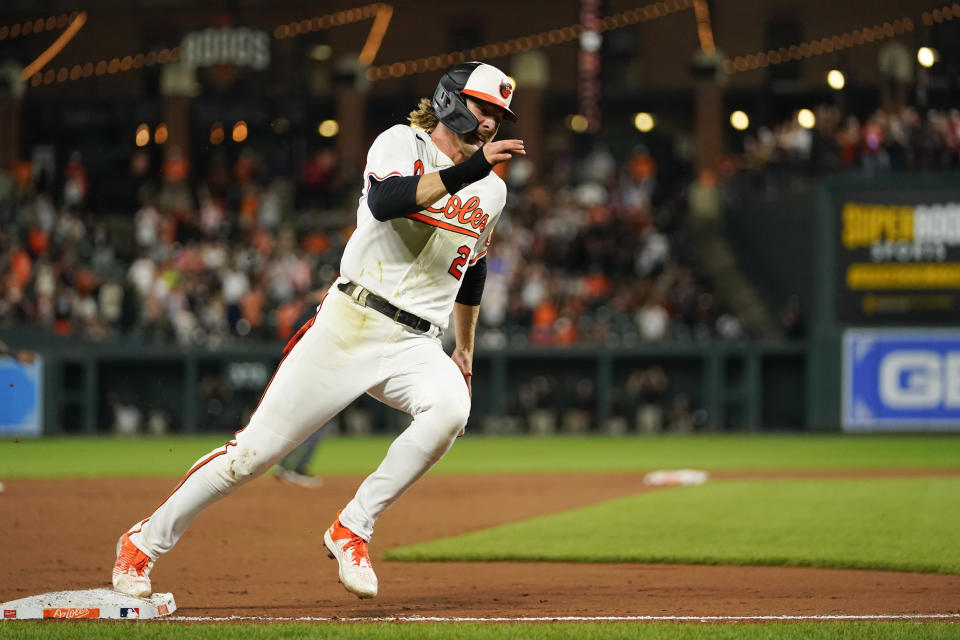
(879, 616)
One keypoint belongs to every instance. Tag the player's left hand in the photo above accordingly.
(464, 362)
(502, 150)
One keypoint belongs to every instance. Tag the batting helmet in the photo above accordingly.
(477, 80)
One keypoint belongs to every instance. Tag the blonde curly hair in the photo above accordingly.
(424, 117)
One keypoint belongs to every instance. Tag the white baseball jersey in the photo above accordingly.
(418, 262)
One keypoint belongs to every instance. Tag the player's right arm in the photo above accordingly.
(399, 196)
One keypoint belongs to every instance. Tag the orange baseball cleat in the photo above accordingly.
(350, 552)
(131, 573)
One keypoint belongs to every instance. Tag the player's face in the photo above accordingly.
(489, 116)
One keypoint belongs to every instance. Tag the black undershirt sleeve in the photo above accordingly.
(475, 168)
(395, 197)
(471, 288)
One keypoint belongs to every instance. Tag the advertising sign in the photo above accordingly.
(900, 380)
(21, 397)
(227, 45)
(898, 257)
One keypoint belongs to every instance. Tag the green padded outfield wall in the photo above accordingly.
(862, 252)
(725, 386)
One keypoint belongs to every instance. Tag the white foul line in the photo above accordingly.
(880, 616)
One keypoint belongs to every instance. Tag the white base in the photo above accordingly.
(675, 478)
(88, 603)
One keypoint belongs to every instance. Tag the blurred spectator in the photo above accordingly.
(158, 422)
(127, 417)
(578, 416)
(681, 418)
(320, 180)
(76, 187)
(216, 397)
(792, 320)
(645, 394)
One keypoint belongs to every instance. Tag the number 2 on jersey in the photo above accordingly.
(456, 267)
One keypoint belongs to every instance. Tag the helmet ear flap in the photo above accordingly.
(461, 120)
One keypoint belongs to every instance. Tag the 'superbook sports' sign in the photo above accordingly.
(901, 380)
(898, 257)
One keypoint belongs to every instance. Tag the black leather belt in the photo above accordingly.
(375, 302)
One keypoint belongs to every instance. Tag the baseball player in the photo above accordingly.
(424, 222)
(293, 467)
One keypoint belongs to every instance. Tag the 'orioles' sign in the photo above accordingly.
(227, 45)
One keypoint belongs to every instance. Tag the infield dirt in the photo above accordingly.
(260, 553)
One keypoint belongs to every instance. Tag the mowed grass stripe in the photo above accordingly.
(900, 524)
(50, 630)
(172, 456)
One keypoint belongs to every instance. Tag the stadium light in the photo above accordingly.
(239, 131)
(143, 135)
(644, 122)
(836, 79)
(806, 118)
(160, 133)
(321, 52)
(328, 128)
(926, 56)
(216, 133)
(577, 123)
(739, 120)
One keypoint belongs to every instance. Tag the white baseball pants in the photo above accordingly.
(349, 350)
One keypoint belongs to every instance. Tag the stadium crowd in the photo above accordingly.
(589, 251)
(887, 140)
(592, 248)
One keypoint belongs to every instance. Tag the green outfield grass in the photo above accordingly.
(906, 524)
(473, 631)
(171, 456)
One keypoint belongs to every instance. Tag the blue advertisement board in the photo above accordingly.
(21, 397)
(901, 380)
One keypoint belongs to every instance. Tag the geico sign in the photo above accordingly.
(920, 379)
